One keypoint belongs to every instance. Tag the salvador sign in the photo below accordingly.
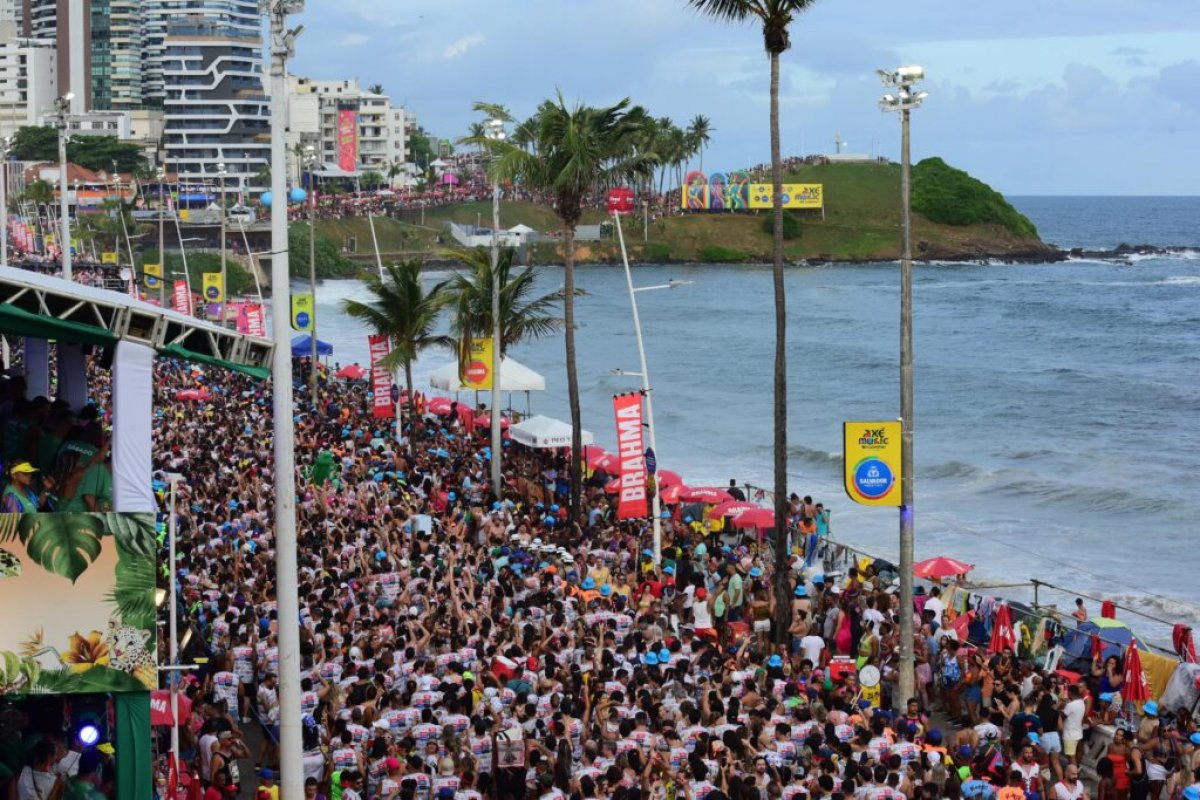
(871, 451)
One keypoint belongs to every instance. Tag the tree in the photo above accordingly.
(102, 152)
(420, 151)
(372, 179)
(406, 313)
(775, 17)
(394, 170)
(575, 150)
(522, 315)
(375, 88)
(35, 143)
(700, 133)
(39, 192)
(331, 261)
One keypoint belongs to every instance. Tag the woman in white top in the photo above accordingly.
(36, 781)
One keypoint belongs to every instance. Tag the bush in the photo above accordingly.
(791, 225)
(950, 196)
(331, 261)
(721, 255)
(656, 253)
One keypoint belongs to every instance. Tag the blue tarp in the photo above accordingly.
(1115, 636)
(302, 347)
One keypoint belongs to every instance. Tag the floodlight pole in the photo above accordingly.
(175, 479)
(5, 145)
(291, 752)
(63, 106)
(495, 131)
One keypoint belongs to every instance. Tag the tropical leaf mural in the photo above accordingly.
(65, 544)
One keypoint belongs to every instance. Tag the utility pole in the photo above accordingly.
(221, 172)
(495, 131)
(64, 109)
(162, 254)
(5, 144)
(312, 261)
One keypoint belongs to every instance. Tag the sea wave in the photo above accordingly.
(951, 469)
(813, 456)
(1084, 497)
(1155, 605)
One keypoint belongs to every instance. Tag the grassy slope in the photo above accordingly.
(862, 221)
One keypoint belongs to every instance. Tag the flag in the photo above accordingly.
(152, 275)
(631, 451)
(381, 379)
(476, 367)
(302, 312)
(214, 287)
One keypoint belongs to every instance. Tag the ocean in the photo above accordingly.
(1056, 404)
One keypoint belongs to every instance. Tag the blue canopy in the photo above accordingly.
(1115, 637)
(302, 347)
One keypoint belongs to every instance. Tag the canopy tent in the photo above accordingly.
(545, 432)
(514, 377)
(302, 347)
(1113, 635)
(521, 229)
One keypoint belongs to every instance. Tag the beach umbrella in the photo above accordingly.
(705, 494)
(613, 486)
(193, 395)
(597, 458)
(667, 478)
(760, 518)
(731, 508)
(941, 567)
(670, 495)
(1136, 688)
(485, 421)
(351, 372)
(1003, 635)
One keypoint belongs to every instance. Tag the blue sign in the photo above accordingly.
(395, 393)
(302, 320)
(651, 461)
(873, 478)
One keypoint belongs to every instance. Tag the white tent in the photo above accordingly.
(521, 229)
(514, 377)
(543, 432)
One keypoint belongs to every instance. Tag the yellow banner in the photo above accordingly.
(872, 462)
(214, 288)
(152, 275)
(302, 312)
(51, 240)
(795, 195)
(109, 258)
(477, 369)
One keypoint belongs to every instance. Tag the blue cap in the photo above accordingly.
(864, 703)
(818, 578)
(605, 590)
(1191, 792)
(664, 656)
(1106, 697)
(589, 583)
(554, 508)
(687, 519)
(380, 555)
(650, 659)
(267, 774)
(451, 496)
(1150, 709)
(648, 553)
(964, 751)
(1033, 738)
(755, 572)
(726, 549)
(666, 514)
(802, 591)
(775, 661)
(668, 569)
(1195, 739)
(495, 505)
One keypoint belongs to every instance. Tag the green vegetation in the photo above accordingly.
(331, 261)
(657, 253)
(791, 225)
(952, 197)
(37, 143)
(239, 280)
(714, 254)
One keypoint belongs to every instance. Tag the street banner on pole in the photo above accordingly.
(477, 366)
(181, 300)
(347, 140)
(254, 320)
(302, 312)
(631, 450)
(214, 287)
(151, 275)
(872, 462)
(109, 258)
(381, 379)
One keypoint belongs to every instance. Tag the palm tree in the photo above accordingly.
(522, 315)
(405, 312)
(575, 149)
(775, 16)
(375, 88)
(700, 132)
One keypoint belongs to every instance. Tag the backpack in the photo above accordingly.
(951, 671)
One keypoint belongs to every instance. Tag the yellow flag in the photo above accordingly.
(477, 366)
(302, 312)
(871, 455)
(152, 275)
(109, 258)
(214, 288)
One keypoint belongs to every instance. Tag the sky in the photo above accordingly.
(1035, 97)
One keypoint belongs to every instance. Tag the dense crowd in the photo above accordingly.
(454, 647)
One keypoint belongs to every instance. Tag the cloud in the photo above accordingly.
(353, 40)
(461, 46)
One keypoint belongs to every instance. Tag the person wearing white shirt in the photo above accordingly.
(1072, 723)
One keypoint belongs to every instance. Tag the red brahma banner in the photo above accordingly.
(347, 140)
(631, 451)
(381, 379)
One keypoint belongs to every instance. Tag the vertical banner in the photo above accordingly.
(109, 258)
(254, 320)
(214, 288)
(237, 312)
(871, 451)
(381, 379)
(151, 275)
(477, 366)
(631, 450)
(302, 312)
(181, 300)
(347, 140)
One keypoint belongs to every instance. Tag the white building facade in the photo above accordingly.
(314, 110)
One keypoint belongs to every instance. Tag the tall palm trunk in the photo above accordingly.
(783, 600)
(572, 378)
(408, 379)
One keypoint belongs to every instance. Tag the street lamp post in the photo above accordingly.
(162, 254)
(291, 750)
(63, 107)
(495, 131)
(311, 161)
(5, 145)
(174, 479)
(904, 101)
(221, 173)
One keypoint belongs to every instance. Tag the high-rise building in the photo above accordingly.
(125, 48)
(67, 23)
(155, 17)
(12, 15)
(28, 83)
(215, 107)
(315, 107)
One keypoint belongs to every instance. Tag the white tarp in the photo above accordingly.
(1181, 690)
(514, 377)
(543, 432)
(133, 415)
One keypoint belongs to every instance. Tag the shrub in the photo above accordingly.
(657, 253)
(791, 225)
(721, 255)
(952, 197)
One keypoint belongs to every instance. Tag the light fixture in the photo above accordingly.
(88, 734)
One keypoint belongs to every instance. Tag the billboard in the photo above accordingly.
(871, 452)
(347, 140)
(476, 367)
(795, 195)
(78, 594)
(735, 192)
(214, 287)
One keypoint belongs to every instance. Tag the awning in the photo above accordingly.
(514, 377)
(20, 322)
(302, 347)
(545, 432)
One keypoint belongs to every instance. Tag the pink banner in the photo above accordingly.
(381, 379)
(347, 140)
(255, 325)
(181, 300)
(631, 450)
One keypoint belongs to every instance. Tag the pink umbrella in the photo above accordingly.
(613, 486)
(731, 508)
(352, 372)
(941, 567)
(1136, 688)
(599, 459)
(667, 478)
(441, 407)
(1003, 635)
(705, 494)
(485, 421)
(760, 518)
(670, 495)
(195, 395)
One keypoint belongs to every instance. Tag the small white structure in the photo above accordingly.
(514, 377)
(545, 432)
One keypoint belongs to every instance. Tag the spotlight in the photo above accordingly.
(88, 734)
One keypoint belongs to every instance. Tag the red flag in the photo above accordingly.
(182, 298)
(1003, 635)
(254, 320)
(381, 380)
(632, 452)
(1136, 688)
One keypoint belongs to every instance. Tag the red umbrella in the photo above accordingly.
(731, 508)
(599, 459)
(670, 495)
(1003, 635)
(485, 421)
(761, 518)
(667, 478)
(941, 567)
(195, 395)
(705, 494)
(439, 406)
(1136, 688)
(351, 372)
(613, 486)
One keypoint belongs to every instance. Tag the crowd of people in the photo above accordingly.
(456, 647)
